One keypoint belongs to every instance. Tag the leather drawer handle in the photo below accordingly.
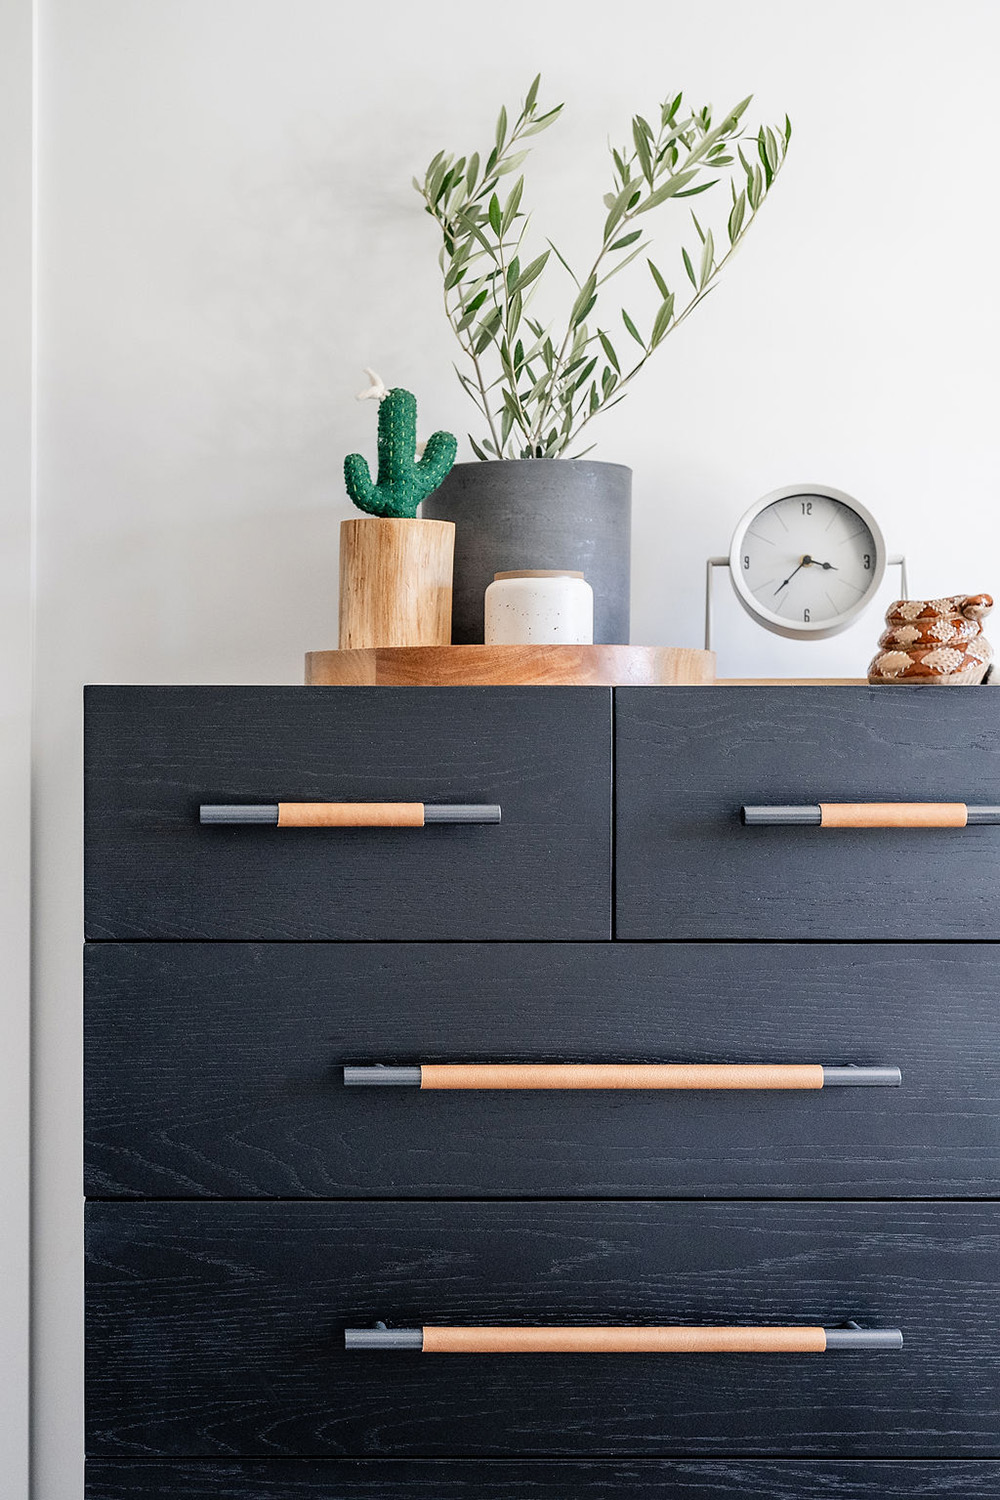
(872, 815)
(620, 1076)
(349, 814)
(629, 1340)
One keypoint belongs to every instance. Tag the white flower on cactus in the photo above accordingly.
(376, 391)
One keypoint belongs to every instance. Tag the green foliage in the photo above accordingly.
(536, 387)
(403, 481)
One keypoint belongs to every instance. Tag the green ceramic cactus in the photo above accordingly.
(403, 480)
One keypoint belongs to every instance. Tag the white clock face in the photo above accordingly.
(806, 563)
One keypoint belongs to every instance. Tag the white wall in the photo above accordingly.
(16, 165)
(227, 234)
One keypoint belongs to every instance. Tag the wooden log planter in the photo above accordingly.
(395, 582)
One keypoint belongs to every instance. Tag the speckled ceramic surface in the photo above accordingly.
(934, 641)
(539, 607)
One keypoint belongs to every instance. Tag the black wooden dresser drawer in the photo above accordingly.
(217, 1070)
(218, 1330)
(688, 760)
(155, 757)
(544, 1479)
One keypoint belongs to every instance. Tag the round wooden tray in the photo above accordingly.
(552, 666)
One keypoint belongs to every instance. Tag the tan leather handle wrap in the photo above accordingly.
(893, 814)
(624, 1340)
(621, 1076)
(350, 815)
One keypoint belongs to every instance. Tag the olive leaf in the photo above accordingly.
(632, 329)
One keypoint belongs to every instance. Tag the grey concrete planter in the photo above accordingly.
(538, 513)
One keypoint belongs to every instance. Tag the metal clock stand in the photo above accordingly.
(723, 562)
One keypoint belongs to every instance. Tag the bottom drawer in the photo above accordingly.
(642, 1479)
(217, 1329)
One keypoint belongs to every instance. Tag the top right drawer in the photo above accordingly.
(688, 760)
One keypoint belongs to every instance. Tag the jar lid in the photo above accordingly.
(537, 573)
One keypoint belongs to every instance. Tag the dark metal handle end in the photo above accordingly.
(381, 1337)
(238, 813)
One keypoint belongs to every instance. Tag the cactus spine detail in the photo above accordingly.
(403, 479)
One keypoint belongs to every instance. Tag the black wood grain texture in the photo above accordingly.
(215, 1069)
(153, 754)
(217, 1329)
(688, 759)
(543, 1479)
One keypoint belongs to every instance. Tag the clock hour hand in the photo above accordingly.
(828, 566)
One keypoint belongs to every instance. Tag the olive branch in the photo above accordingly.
(538, 392)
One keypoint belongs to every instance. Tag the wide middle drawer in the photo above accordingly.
(216, 1070)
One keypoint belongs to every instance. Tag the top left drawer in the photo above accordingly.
(154, 755)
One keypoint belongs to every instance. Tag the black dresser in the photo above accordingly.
(251, 1203)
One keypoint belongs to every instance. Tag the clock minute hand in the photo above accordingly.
(803, 564)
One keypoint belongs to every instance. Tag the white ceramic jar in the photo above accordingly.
(539, 607)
